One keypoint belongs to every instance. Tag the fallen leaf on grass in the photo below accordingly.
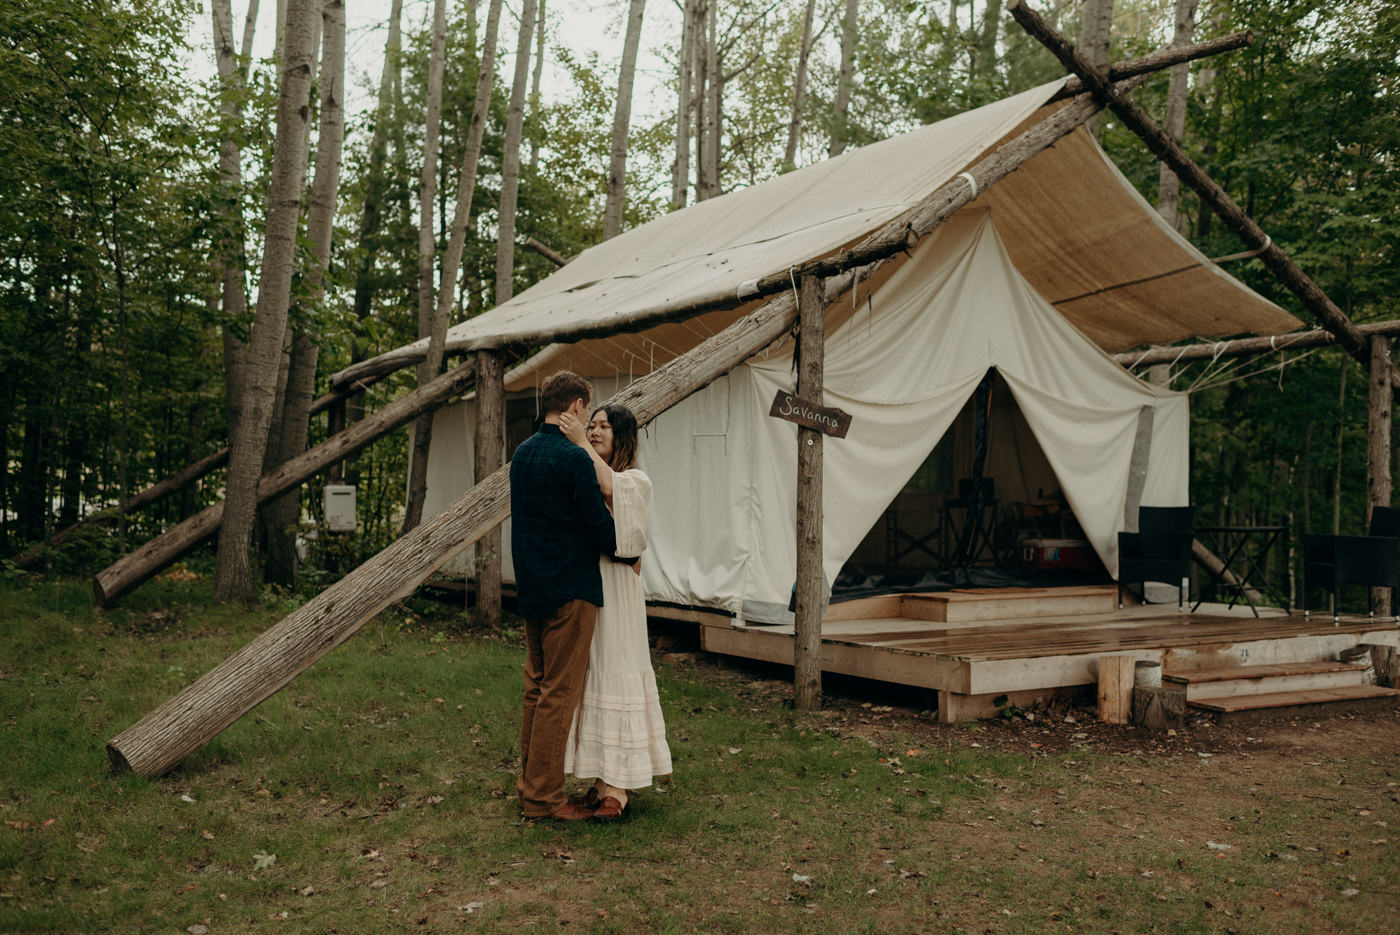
(471, 907)
(307, 890)
(262, 861)
(198, 929)
(804, 880)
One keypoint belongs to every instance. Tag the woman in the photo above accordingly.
(618, 734)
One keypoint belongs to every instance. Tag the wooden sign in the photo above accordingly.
(834, 422)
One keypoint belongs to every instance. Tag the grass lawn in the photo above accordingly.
(376, 794)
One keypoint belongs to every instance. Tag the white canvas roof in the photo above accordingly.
(1077, 230)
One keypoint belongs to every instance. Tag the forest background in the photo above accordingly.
(143, 234)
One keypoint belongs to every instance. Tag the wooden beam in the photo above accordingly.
(1163, 58)
(1378, 442)
(810, 596)
(1116, 687)
(135, 567)
(1164, 148)
(1247, 347)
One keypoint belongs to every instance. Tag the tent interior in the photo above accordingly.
(984, 509)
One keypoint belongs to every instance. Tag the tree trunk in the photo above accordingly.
(840, 131)
(427, 254)
(490, 455)
(535, 91)
(1168, 185)
(248, 437)
(1341, 435)
(510, 162)
(229, 260)
(983, 67)
(622, 118)
(809, 591)
(285, 511)
(1378, 435)
(714, 98)
(132, 569)
(685, 61)
(1095, 33)
(799, 88)
(371, 218)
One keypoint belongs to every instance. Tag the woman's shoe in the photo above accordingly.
(610, 809)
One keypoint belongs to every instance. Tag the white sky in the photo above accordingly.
(583, 26)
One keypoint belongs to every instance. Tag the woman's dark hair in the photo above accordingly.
(624, 430)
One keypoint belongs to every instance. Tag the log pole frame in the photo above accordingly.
(1230, 213)
(810, 596)
(166, 736)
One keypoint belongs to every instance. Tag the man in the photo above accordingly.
(559, 527)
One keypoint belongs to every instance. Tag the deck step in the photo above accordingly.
(1313, 702)
(1266, 679)
(1007, 603)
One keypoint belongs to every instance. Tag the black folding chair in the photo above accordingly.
(1159, 551)
(1334, 561)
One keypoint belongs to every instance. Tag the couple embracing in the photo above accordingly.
(579, 509)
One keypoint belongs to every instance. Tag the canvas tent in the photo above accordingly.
(1037, 278)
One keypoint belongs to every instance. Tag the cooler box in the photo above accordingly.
(1068, 554)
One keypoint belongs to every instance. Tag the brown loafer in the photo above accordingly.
(610, 809)
(589, 799)
(571, 813)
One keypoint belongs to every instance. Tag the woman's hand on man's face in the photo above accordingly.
(574, 429)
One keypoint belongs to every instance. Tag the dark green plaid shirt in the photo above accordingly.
(560, 524)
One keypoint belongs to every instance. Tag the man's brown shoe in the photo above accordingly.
(571, 813)
(610, 809)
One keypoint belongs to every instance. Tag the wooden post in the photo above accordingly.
(1116, 687)
(1378, 435)
(1385, 660)
(490, 453)
(811, 596)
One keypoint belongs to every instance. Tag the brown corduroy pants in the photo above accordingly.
(556, 659)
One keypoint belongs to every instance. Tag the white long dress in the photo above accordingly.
(618, 734)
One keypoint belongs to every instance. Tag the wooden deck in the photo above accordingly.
(1030, 655)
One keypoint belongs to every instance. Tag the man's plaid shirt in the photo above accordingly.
(560, 524)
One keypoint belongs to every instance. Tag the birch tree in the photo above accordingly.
(284, 512)
(685, 105)
(510, 160)
(249, 434)
(622, 118)
(229, 261)
(1094, 34)
(427, 255)
(1168, 185)
(841, 105)
(372, 213)
(799, 87)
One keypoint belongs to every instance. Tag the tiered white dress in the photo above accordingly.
(618, 734)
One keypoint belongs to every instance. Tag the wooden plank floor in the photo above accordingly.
(1133, 628)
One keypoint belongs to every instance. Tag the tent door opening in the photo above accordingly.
(983, 510)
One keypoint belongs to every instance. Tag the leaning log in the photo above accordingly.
(163, 738)
(135, 567)
(1230, 213)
